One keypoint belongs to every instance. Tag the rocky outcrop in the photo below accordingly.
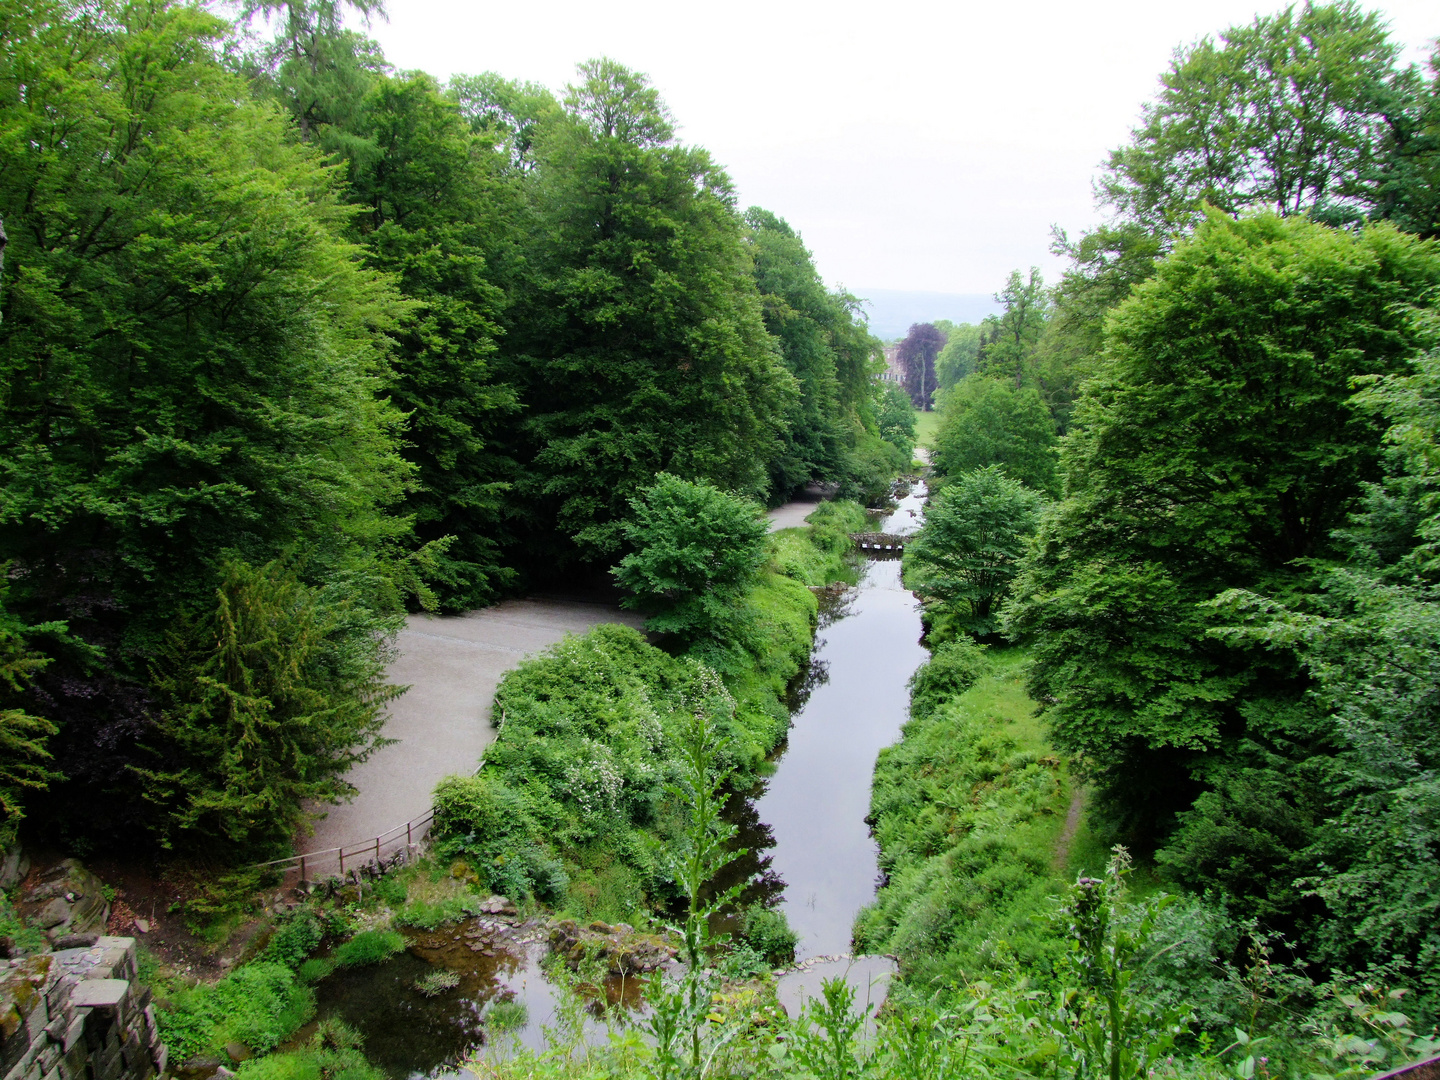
(66, 901)
(14, 865)
(78, 1014)
(623, 950)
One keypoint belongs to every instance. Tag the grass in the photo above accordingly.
(820, 552)
(968, 809)
(926, 426)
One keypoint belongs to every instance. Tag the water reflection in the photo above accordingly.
(805, 825)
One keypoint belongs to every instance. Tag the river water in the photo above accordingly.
(810, 848)
(806, 822)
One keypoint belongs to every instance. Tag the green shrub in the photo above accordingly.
(333, 1053)
(259, 1005)
(954, 668)
(486, 821)
(294, 939)
(768, 933)
(369, 947)
(24, 938)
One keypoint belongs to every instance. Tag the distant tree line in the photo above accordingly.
(291, 341)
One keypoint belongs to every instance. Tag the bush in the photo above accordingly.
(696, 548)
(294, 939)
(369, 947)
(768, 932)
(333, 1053)
(954, 668)
(259, 1005)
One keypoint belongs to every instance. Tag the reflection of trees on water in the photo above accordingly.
(753, 870)
(816, 673)
(835, 606)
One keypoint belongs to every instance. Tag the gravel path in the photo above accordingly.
(452, 665)
(793, 514)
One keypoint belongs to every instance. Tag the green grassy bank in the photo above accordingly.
(971, 810)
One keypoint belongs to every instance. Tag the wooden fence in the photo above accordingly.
(337, 861)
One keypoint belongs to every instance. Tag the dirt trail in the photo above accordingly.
(1072, 825)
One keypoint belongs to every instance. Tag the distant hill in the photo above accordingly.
(892, 312)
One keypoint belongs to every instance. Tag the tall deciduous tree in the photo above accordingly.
(1287, 114)
(642, 344)
(960, 356)
(438, 214)
(192, 358)
(917, 353)
(988, 422)
(824, 345)
(1013, 334)
(1217, 449)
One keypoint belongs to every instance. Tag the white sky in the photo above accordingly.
(914, 145)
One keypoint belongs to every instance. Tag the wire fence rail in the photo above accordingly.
(331, 862)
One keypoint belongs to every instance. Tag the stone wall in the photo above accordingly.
(78, 1014)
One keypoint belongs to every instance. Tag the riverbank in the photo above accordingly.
(572, 804)
(451, 667)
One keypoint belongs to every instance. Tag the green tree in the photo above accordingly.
(1013, 334)
(1405, 188)
(895, 415)
(1370, 639)
(1217, 449)
(641, 344)
(510, 112)
(437, 215)
(266, 703)
(968, 551)
(986, 422)
(1287, 114)
(1301, 112)
(695, 550)
(808, 323)
(192, 358)
(960, 356)
(314, 67)
(23, 736)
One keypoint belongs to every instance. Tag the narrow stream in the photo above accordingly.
(815, 803)
(804, 825)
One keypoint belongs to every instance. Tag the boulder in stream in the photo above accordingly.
(623, 951)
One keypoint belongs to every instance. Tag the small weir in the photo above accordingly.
(810, 849)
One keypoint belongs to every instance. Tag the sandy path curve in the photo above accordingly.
(441, 725)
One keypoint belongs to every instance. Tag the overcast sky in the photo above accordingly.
(915, 146)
